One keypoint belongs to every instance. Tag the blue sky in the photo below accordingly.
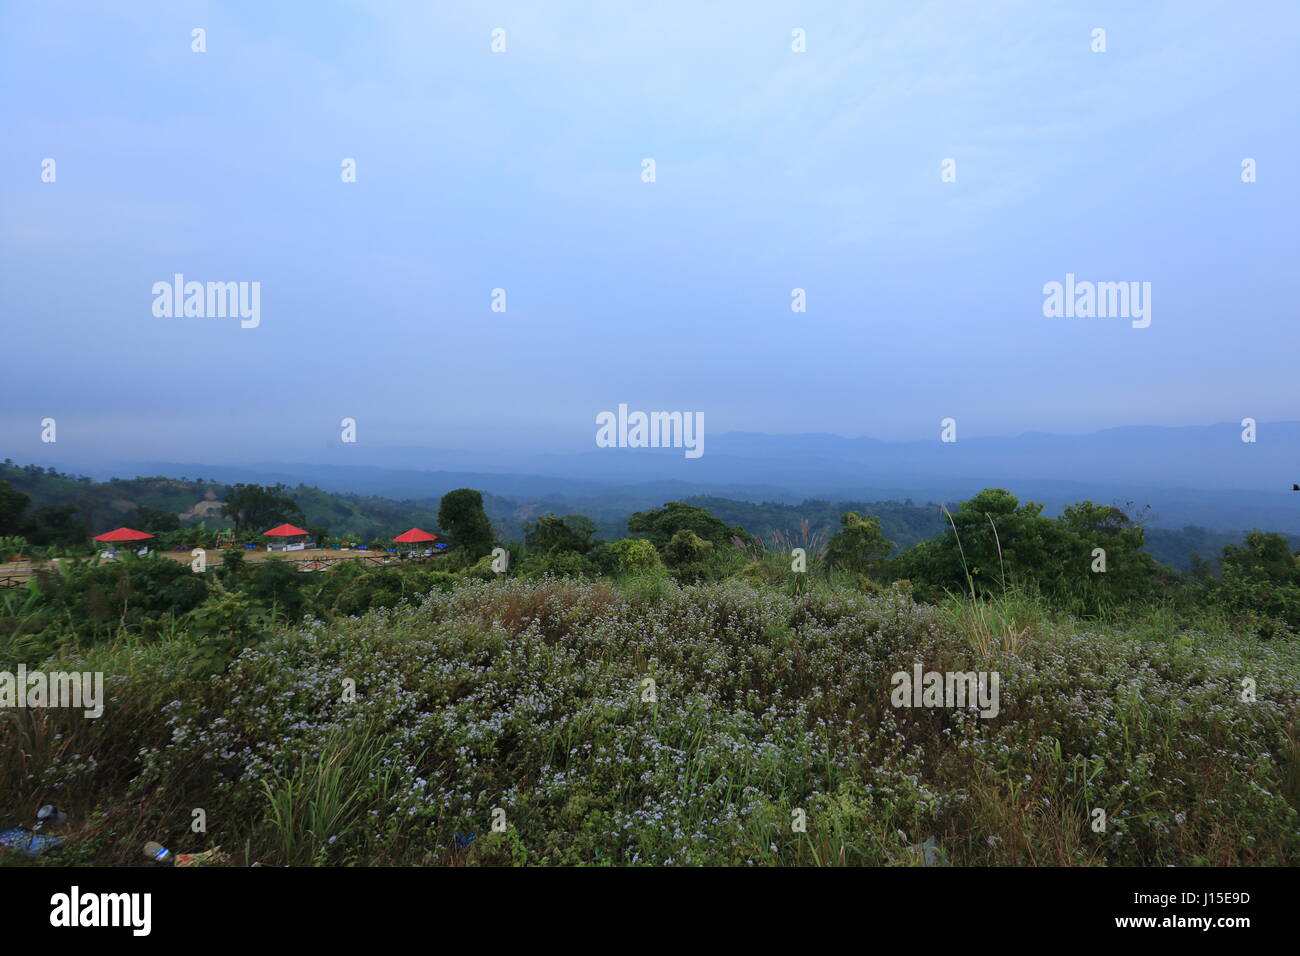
(522, 171)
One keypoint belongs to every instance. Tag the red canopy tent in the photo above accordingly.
(284, 531)
(414, 536)
(122, 534)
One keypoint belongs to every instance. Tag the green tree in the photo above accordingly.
(1261, 581)
(257, 508)
(1263, 555)
(462, 519)
(627, 556)
(154, 520)
(661, 524)
(56, 525)
(1131, 573)
(275, 585)
(993, 541)
(859, 545)
(688, 555)
(12, 505)
(570, 533)
(686, 547)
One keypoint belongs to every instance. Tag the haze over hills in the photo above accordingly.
(1204, 475)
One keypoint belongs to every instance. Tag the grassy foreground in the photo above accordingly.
(534, 697)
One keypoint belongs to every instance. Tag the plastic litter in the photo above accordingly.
(30, 844)
(50, 815)
(159, 853)
(928, 853)
(213, 857)
(165, 857)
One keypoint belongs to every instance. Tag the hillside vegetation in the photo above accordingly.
(691, 693)
(531, 697)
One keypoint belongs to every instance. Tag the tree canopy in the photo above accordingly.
(255, 507)
(551, 534)
(462, 519)
(660, 524)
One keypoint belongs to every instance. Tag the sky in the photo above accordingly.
(523, 170)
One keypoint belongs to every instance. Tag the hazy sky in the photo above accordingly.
(522, 170)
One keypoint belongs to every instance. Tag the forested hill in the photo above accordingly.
(99, 506)
(906, 523)
(80, 507)
(903, 523)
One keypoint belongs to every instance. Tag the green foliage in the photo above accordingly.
(482, 570)
(902, 521)
(225, 624)
(257, 508)
(462, 518)
(1261, 581)
(505, 848)
(661, 524)
(154, 520)
(277, 584)
(350, 517)
(12, 546)
(627, 556)
(859, 546)
(686, 547)
(12, 505)
(55, 525)
(995, 543)
(96, 599)
(477, 690)
(528, 696)
(357, 589)
(567, 564)
(315, 810)
(570, 533)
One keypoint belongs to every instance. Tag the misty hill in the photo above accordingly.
(1203, 476)
(106, 504)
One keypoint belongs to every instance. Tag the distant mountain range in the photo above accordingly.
(1204, 475)
(765, 484)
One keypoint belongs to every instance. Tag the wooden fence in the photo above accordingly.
(18, 578)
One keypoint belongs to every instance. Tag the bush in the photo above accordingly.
(96, 599)
(627, 556)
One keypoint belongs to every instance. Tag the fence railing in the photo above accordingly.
(18, 578)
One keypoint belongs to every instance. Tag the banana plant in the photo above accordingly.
(20, 602)
(11, 547)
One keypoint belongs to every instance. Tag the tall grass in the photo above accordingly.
(327, 796)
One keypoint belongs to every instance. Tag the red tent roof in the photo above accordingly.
(122, 534)
(415, 534)
(284, 531)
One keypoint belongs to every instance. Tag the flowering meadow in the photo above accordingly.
(646, 722)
